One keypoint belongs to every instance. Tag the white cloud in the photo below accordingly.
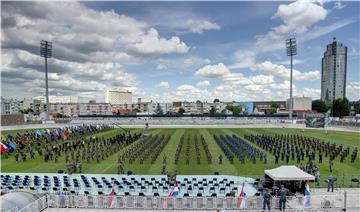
(203, 83)
(84, 48)
(196, 61)
(161, 67)
(281, 71)
(314, 93)
(244, 58)
(199, 26)
(297, 18)
(151, 44)
(338, 5)
(240, 79)
(163, 85)
(213, 71)
(353, 91)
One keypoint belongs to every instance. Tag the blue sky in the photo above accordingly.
(166, 51)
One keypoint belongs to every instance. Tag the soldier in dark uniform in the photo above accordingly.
(330, 164)
(265, 159)
(220, 159)
(267, 199)
(283, 192)
(287, 158)
(163, 169)
(276, 159)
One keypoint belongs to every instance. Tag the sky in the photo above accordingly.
(175, 51)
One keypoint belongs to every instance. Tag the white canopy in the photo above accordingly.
(288, 173)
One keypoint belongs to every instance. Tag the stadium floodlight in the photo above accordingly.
(46, 52)
(291, 51)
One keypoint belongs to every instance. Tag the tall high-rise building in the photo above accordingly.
(118, 96)
(333, 72)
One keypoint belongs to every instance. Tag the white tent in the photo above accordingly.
(288, 173)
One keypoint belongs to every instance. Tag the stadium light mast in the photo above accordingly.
(46, 52)
(291, 51)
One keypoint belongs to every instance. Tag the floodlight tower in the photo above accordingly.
(291, 51)
(46, 52)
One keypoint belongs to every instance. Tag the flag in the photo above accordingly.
(111, 196)
(65, 134)
(241, 196)
(12, 147)
(173, 193)
(3, 147)
(307, 192)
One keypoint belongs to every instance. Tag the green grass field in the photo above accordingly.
(343, 171)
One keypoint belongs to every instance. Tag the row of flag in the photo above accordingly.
(176, 191)
(9, 142)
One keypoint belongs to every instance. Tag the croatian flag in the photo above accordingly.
(3, 147)
(111, 196)
(176, 191)
(173, 193)
(307, 192)
(241, 196)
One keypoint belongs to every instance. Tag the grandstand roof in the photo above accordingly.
(18, 199)
(288, 173)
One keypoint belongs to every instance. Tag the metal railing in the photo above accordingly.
(191, 203)
(335, 202)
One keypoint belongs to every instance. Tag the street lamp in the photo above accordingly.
(291, 50)
(46, 51)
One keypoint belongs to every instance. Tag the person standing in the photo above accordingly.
(283, 192)
(267, 199)
(331, 180)
(330, 164)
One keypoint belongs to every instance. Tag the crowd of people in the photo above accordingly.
(241, 149)
(207, 151)
(47, 143)
(151, 146)
(178, 149)
(98, 149)
(298, 148)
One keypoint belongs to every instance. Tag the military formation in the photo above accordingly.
(49, 144)
(197, 151)
(149, 147)
(299, 148)
(178, 149)
(235, 146)
(187, 151)
(95, 149)
(206, 148)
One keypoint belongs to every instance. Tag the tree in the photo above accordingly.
(59, 115)
(216, 100)
(319, 106)
(159, 110)
(181, 111)
(212, 110)
(357, 109)
(274, 106)
(235, 109)
(340, 107)
(345, 109)
(26, 111)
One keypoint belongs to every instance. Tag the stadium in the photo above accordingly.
(105, 165)
(204, 106)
